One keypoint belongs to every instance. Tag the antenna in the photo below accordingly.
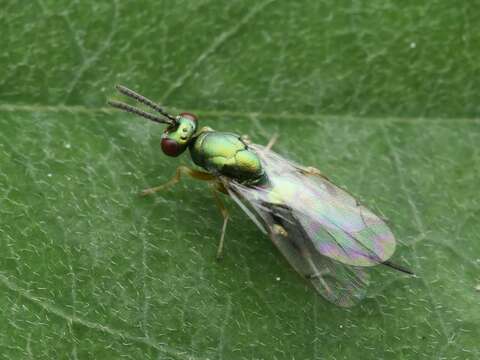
(142, 99)
(137, 111)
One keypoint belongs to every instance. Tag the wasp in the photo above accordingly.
(325, 234)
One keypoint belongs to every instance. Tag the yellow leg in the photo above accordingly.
(199, 175)
(271, 142)
(246, 139)
(279, 230)
(225, 215)
(310, 170)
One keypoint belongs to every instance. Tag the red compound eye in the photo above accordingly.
(189, 116)
(170, 147)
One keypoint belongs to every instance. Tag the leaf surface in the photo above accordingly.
(382, 97)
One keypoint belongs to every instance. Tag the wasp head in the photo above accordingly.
(180, 129)
(176, 137)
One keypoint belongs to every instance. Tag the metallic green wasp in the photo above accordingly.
(324, 233)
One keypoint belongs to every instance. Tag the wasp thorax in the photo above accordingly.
(176, 138)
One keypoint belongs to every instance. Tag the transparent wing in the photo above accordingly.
(340, 284)
(323, 232)
(338, 226)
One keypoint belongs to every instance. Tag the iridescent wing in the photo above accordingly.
(323, 232)
(338, 225)
(341, 284)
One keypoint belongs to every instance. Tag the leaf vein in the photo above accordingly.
(217, 42)
(75, 319)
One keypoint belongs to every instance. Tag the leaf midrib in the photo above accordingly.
(79, 109)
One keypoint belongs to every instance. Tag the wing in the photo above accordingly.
(337, 224)
(323, 232)
(340, 284)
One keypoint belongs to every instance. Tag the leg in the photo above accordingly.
(245, 139)
(317, 274)
(199, 175)
(310, 170)
(279, 230)
(271, 142)
(225, 215)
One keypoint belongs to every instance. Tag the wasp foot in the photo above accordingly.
(279, 230)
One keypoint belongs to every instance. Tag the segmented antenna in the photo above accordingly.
(142, 99)
(137, 111)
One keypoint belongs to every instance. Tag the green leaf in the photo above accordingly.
(381, 96)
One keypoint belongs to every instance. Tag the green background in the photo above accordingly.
(383, 96)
